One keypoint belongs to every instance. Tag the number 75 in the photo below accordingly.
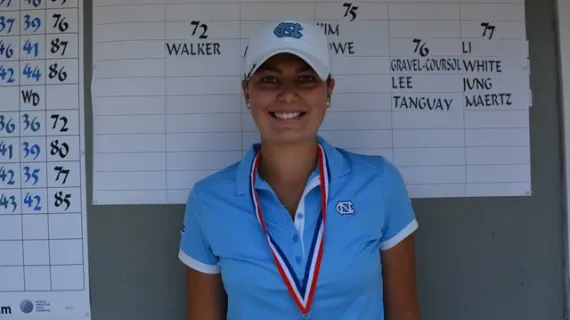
(350, 8)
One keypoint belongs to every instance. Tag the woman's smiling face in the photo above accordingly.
(287, 99)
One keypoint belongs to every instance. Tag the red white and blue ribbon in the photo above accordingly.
(301, 292)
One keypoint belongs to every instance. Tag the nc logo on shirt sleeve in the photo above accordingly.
(288, 30)
(345, 207)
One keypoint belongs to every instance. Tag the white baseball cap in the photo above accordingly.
(304, 39)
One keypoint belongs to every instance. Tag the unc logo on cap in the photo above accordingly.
(288, 30)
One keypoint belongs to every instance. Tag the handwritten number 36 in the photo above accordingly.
(8, 126)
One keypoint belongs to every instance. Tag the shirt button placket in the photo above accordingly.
(296, 238)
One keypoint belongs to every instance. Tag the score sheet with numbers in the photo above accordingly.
(43, 241)
(439, 88)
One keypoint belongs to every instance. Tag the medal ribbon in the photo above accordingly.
(302, 293)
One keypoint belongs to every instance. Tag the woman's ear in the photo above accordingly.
(330, 86)
(245, 91)
(330, 89)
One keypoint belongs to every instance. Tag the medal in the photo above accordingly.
(301, 292)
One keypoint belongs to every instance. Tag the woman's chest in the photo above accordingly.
(349, 236)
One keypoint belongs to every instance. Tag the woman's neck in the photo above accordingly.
(288, 163)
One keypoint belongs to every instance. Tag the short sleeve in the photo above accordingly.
(400, 217)
(195, 251)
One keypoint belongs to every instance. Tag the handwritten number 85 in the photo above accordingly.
(61, 198)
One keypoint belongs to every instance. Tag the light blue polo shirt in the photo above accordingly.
(369, 210)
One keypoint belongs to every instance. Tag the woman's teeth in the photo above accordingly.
(288, 115)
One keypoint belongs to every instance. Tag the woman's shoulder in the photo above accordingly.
(376, 168)
(219, 180)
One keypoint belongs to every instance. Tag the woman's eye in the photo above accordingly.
(268, 79)
(307, 78)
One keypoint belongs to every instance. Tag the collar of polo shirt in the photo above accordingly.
(337, 164)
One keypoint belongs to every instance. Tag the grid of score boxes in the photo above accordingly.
(41, 246)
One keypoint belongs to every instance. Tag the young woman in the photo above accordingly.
(298, 229)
